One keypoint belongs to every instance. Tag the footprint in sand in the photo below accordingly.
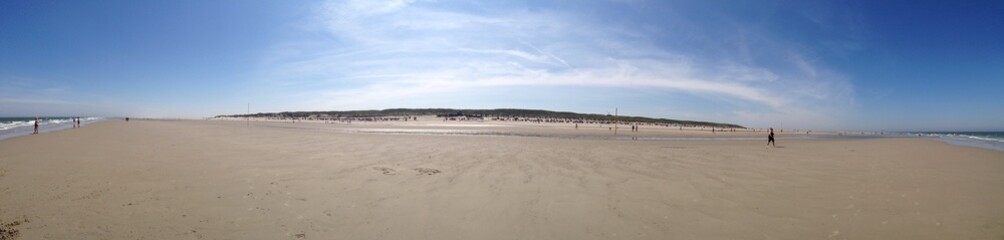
(386, 170)
(427, 171)
(8, 230)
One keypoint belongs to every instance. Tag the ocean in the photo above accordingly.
(21, 126)
(988, 140)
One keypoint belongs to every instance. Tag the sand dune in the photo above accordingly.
(223, 180)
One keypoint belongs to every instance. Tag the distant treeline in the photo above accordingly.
(503, 112)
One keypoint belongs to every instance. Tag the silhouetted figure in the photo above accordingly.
(770, 138)
(36, 126)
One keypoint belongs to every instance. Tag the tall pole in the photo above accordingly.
(617, 121)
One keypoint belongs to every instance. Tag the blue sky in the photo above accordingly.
(839, 65)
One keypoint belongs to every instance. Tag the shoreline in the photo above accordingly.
(567, 131)
(51, 124)
(486, 128)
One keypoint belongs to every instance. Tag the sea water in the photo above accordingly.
(472, 132)
(988, 140)
(21, 126)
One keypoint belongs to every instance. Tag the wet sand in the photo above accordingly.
(224, 180)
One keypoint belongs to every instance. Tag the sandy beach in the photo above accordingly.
(226, 180)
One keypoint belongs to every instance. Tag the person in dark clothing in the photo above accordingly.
(770, 138)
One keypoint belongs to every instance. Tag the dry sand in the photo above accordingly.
(222, 180)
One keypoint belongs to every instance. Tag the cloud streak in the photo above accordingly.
(378, 54)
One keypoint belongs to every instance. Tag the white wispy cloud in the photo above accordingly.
(382, 53)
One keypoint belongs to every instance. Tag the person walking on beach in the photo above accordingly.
(36, 126)
(770, 138)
